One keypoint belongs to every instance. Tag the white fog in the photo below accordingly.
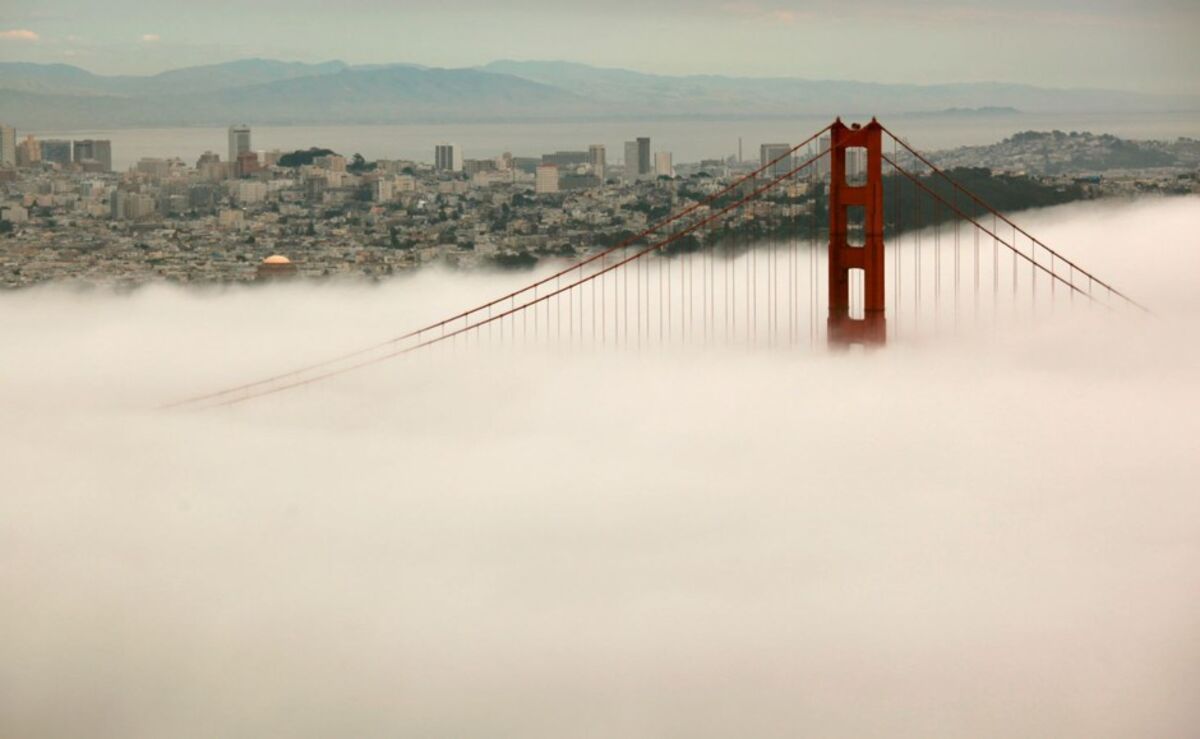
(988, 534)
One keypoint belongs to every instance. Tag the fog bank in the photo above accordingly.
(987, 534)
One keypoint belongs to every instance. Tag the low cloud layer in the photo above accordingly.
(19, 34)
(989, 534)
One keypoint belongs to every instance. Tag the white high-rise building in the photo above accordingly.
(8, 145)
(596, 158)
(823, 150)
(239, 141)
(546, 179)
(448, 158)
(856, 165)
(384, 190)
(637, 158)
(662, 164)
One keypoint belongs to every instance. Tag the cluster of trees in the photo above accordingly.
(653, 212)
(303, 157)
(514, 260)
(907, 206)
(357, 164)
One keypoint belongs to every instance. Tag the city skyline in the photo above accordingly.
(1113, 44)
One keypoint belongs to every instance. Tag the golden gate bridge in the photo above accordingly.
(905, 245)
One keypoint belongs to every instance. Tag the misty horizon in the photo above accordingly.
(341, 64)
(1064, 43)
(262, 91)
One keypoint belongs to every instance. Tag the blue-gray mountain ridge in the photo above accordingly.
(264, 91)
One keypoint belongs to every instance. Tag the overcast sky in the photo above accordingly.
(1148, 45)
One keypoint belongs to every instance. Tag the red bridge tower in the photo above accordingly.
(865, 322)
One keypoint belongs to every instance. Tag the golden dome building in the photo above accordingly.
(275, 267)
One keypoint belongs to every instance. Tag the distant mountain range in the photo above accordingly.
(264, 91)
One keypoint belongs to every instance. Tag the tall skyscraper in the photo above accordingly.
(823, 163)
(57, 151)
(631, 160)
(239, 141)
(769, 153)
(448, 158)
(643, 145)
(103, 152)
(8, 145)
(596, 157)
(96, 150)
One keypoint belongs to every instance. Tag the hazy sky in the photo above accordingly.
(1097, 43)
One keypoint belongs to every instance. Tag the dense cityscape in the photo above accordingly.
(65, 215)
